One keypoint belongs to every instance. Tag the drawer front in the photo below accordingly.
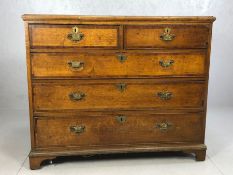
(74, 36)
(125, 94)
(167, 36)
(115, 65)
(110, 129)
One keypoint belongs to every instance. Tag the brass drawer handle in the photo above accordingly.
(167, 63)
(122, 58)
(77, 129)
(167, 36)
(121, 118)
(121, 86)
(75, 35)
(163, 126)
(165, 95)
(76, 65)
(76, 96)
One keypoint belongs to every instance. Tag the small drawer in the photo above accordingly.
(112, 129)
(95, 65)
(166, 36)
(84, 36)
(117, 94)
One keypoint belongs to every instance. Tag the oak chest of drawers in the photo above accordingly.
(101, 85)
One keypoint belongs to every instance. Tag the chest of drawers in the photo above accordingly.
(100, 85)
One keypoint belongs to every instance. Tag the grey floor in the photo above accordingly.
(15, 146)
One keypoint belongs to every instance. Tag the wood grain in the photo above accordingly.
(149, 36)
(51, 80)
(105, 130)
(107, 64)
(56, 36)
(106, 95)
(111, 19)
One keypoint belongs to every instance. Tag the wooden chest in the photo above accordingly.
(101, 85)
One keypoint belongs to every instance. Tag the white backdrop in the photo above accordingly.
(13, 83)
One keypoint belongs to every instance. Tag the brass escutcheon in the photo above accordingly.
(121, 118)
(167, 36)
(77, 129)
(76, 96)
(165, 95)
(75, 35)
(167, 63)
(121, 86)
(163, 126)
(122, 58)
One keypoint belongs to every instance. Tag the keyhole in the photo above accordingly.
(75, 29)
(167, 30)
(121, 119)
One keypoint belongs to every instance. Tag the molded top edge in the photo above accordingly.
(47, 17)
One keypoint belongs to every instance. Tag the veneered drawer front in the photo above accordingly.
(119, 128)
(64, 36)
(166, 36)
(118, 94)
(118, 65)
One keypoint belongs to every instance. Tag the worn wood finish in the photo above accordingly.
(78, 19)
(56, 36)
(35, 161)
(149, 36)
(141, 112)
(107, 95)
(107, 130)
(97, 65)
(200, 155)
(36, 157)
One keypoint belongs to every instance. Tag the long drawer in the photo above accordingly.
(166, 36)
(112, 129)
(74, 36)
(117, 94)
(118, 64)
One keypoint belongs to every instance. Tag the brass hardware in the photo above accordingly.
(167, 63)
(77, 129)
(122, 58)
(76, 65)
(75, 35)
(121, 86)
(163, 126)
(76, 96)
(167, 36)
(165, 95)
(121, 118)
